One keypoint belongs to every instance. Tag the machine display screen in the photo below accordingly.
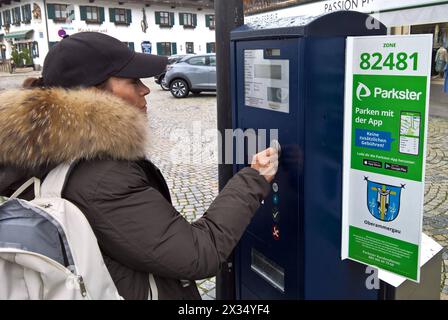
(268, 71)
(266, 81)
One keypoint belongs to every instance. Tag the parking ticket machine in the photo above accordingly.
(289, 75)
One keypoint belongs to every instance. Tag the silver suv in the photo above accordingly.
(193, 73)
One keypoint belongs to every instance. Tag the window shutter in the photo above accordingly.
(195, 20)
(129, 16)
(50, 9)
(1, 22)
(157, 17)
(172, 19)
(28, 11)
(17, 15)
(83, 12)
(174, 48)
(207, 21)
(181, 19)
(159, 48)
(112, 14)
(208, 46)
(101, 12)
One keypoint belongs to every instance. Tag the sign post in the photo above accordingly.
(385, 133)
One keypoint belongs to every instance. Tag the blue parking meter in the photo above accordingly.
(289, 76)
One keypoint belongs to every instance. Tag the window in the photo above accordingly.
(16, 16)
(189, 47)
(6, 18)
(210, 21)
(60, 12)
(197, 61)
(164, 18)
(164, 48)
(92, 14)
(212, 61)
(188, 20)
(26, 13)
(211, 47)
(120, 16)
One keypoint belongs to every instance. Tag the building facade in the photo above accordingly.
(30, 28)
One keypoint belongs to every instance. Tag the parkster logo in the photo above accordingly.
(363, 92)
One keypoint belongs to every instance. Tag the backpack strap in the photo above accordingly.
(55, 181)
(51, 187)
(25, 186)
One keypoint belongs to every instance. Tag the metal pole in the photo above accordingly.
(229, 15)
(45, 11)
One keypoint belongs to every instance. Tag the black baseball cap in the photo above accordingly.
(89, 58)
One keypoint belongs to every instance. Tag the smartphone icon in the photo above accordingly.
(410, 124)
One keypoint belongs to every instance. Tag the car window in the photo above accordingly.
(212, 61)
(197, 61)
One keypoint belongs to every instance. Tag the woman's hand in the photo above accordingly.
(266, 163)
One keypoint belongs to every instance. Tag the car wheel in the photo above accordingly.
(164, 85)
(179, 88)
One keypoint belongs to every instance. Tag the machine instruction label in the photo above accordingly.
(385, 129)
(266, 82)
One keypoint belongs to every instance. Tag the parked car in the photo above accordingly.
(159, 79)
(192, 74)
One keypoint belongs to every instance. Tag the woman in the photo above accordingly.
(89, 107)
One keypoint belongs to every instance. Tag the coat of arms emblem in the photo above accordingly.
(383, 200)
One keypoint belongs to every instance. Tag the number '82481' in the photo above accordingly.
(400, 61)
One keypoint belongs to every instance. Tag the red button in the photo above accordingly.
(276, 232)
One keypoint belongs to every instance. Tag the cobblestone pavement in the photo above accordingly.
(194, 185)
(435, 222)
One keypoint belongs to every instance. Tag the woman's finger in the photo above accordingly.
(268, 152)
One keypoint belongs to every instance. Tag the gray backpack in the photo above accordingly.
(48, 249)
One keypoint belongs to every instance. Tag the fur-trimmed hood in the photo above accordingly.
(39, 127)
